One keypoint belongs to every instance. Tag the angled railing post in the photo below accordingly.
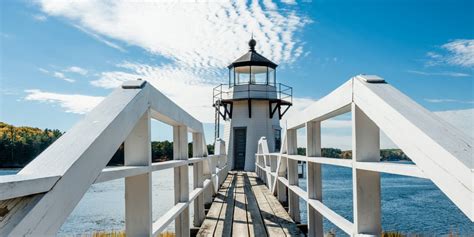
(292, 166)
(366, 184)
(138, 198)
(181, 179)
(198, 151)
(314, 177)
(219, 151)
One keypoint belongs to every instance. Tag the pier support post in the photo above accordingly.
(138, 199)
(292, 166)
(366, 184)
(314, 177)
(198, 178)
(181, 182)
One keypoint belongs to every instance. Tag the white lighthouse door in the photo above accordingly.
(240, 142)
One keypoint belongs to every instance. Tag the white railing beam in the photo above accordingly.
(198, 178)
(292, 168)
(181, 179)
(366, 184)
(138, 196)
(314, 177)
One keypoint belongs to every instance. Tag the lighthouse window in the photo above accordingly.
(277, 140)
(242, 75)
(258, 75)
(271, 76)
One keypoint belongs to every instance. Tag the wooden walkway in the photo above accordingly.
(245, 207)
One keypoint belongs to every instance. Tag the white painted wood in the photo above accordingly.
(138, 198)
(442, 152)
(198, 191)
(391, 168)
(294, 188)
(331, 161)
(112, 173)
(314, 177)
(181, 182)
(198, 179)
(333, 217)
(79, 158)
(366, 184)
(160, 225)
(263, 148)
(13, 186)
(292, 168)
(336, 103)
(165, 110)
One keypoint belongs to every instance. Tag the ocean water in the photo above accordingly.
(409, 205)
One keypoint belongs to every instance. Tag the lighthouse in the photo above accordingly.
(250, 106)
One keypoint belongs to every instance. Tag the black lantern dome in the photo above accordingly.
(252, 58)
(252, 68)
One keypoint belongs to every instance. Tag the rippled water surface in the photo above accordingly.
(409, 205)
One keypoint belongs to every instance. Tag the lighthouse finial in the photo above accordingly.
(252, 43)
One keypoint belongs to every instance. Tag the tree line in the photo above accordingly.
(20, 145)
(385, 154)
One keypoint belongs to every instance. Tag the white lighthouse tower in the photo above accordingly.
(251, 106)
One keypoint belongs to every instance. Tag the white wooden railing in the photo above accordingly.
(37, 200)
(439, 151)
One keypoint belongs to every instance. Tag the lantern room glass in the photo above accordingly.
(243, 75)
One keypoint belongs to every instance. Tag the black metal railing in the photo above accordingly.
(224, 91)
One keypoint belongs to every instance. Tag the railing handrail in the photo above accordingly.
(439, 151)
(78, 159)
(282, 94)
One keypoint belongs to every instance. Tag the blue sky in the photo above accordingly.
(59, 59)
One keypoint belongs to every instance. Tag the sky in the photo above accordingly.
(58, 59)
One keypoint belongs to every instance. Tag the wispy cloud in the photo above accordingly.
(76, 69)
(459, 52)
(101, 39)
(450, 101)
(224, 28)
(56, 74)
(196, 57)
(447, 74)
(291, 2)
(71, 103)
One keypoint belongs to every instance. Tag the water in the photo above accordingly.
(409, 205)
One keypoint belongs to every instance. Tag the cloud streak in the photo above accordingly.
(58, 75)
(447, 74)
(459, 52)
(450, 101)
(71, 103)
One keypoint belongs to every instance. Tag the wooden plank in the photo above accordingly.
(210, 222)
(271, 223)
(239, 223)
(224, 224)
(254, 218)
(287, 225)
